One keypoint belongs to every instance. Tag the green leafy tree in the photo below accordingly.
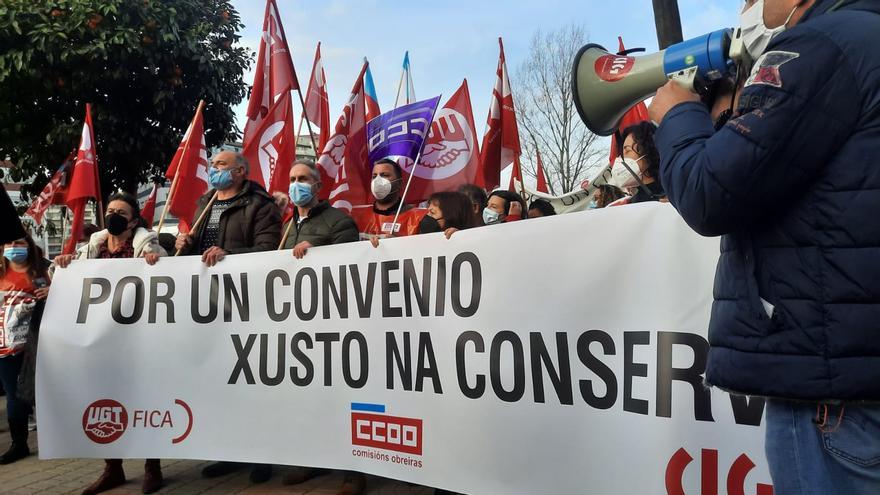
(142, 64)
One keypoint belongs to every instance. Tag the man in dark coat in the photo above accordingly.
(314, 221)
(792, 185)
(242, 219)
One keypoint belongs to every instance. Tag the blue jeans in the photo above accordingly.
(16, 409)
(818, 449)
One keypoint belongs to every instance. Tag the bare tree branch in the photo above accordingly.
(547, 116)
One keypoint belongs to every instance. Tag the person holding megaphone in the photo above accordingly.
(790, 184)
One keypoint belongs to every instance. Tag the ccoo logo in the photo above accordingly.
(104, 421)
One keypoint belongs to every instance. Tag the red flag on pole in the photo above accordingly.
(83, 182)
(149, 209)
(636, 114)
(501, 142)
(53, 193)
(515, 175)
(542, 179)
(451, 156)
(273, 147)
(193, 169)
(317, 108)
(343, 163)
(275, 74)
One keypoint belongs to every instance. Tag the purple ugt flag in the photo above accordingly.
(402, 131)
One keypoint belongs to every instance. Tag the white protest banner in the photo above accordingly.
(524, 358)
(570, 202)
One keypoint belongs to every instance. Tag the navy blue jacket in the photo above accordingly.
(793, 185)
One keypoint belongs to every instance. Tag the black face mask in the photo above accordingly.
(429, 224)
(116, 223)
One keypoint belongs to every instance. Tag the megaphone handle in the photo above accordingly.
(686, 78)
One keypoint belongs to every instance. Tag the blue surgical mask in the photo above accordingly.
(220, 179)
(301, 193)
(16, 254)
(490, 216)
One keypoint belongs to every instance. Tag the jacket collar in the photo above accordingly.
(824, 6)
(314, 211)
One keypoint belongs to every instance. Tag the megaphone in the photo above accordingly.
(606, 85)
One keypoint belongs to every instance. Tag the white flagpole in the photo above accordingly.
(413, 171)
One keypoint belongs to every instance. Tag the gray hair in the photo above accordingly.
(241, 161)
(311, 165)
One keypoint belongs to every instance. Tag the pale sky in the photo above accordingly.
(451, 40)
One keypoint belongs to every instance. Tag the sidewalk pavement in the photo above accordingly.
(69, 476)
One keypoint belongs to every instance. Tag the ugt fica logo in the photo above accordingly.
(106, 420)
(371, 427)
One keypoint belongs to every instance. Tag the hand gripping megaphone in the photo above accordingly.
(606, 85)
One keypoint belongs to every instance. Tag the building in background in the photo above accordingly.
(55, 229)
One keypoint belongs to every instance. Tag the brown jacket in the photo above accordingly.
(251, 224)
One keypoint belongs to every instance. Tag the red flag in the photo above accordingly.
(149, 209)
(275, 74)
(83, 182)
(515, 175)
(317, 108)
(53, 193)
(636, 114)
(343, 163)
(193, 169)
(542, 180)
(272, 149)
(501, 142)
(451, 157)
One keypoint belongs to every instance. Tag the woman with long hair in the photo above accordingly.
(24, 284)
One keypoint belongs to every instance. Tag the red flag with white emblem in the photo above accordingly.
(272, 149)
(84, 183)
(451, 156)
(275, 73)
(343, 163)
(191, 162)
(317, 108)
(500, 145)
(53, 193)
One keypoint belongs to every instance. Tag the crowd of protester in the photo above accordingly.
(240, 216)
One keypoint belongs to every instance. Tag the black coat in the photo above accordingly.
(252, 222)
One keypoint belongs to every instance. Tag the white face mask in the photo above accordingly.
(381, 187)
(755, 34)
(621, 177)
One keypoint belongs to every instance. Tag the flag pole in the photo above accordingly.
(286, 232)
(413, 171)
(302, 102)
(174, 182)
(400, 85)
(196, 225)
